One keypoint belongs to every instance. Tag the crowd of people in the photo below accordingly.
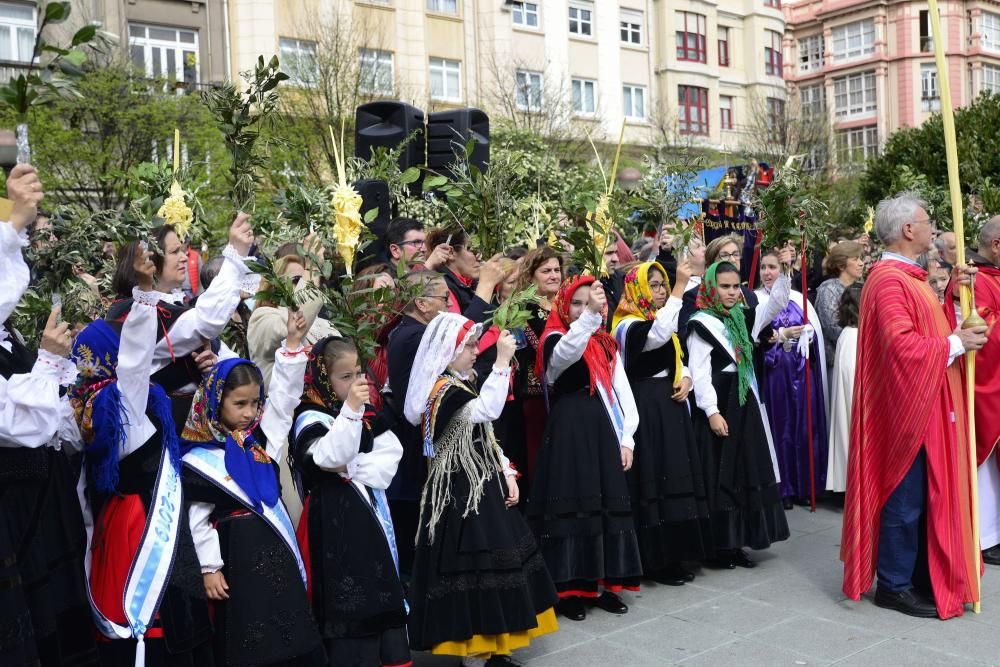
(282, 500)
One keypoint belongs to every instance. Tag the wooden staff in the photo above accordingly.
(951, 151)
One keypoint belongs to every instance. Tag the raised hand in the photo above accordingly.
(296, 329)
(358, 395)
(241, 234)
(598, 300)
(25, 191)
(56, 339)
(506, 346)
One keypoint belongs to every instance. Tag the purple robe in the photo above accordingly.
(784, 393)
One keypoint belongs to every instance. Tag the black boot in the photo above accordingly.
(991, 556)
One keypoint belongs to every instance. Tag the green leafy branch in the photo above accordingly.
(788, 211)
(516, 311)
(665, 188)
(242, 118)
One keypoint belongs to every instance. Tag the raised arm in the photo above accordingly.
(570, 347)
(769, 309)
(287, 382)
(135, 356)
(25, 192)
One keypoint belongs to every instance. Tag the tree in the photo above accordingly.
(776, 130)
(85, 148)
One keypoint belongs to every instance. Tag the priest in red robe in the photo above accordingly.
(987, 386)
(909, 460)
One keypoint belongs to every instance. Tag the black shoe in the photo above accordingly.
(678, 571)
(668, 578)
(742, 558)
(502, 661)
(787, 504)
(611, 603)
(991, 556)
(723, 560)
(908, 602)
(571, 608)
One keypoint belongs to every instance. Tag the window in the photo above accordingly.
(446, 80)
(529, 90)
(581, 20)
(298, 60)
(776, 120)
(815, 159)
(376, 72)
(854, 40)
(990, 79)
(525, 13)
(584, 96)
(692, 112)
(691, 37)
(17, 32)
(631, 26)
(811, 54)
(857, 144)
(926, 38)
(164, 52)
(990, 31)
(443, 6)
(725, 112)
(854, 95)
(773, 3)
(929, 99)
(772, 54)
(634, 102)
(723, 46)
(812, 100)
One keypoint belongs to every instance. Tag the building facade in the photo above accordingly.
(869, 66)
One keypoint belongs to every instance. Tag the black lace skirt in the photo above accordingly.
(666, 481)
(744, 499)
(580, 508)
(267, 620)
(483, 575)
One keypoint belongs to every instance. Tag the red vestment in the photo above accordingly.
(987, 361)
(906, 396)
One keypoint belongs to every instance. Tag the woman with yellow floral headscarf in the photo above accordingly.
(666, 482)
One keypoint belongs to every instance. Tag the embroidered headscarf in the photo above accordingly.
(736, 326)
(637, 304)
(97, 403)
(443, 340)
(601, 348)
(246, 461)
(318, 390)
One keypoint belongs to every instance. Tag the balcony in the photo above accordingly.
(10, 69)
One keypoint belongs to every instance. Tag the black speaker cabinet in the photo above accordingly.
(388, 124)
(449, 131)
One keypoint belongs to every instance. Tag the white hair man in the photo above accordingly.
(908, 461)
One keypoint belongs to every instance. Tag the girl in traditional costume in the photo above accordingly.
(145, 584)
(44, 613)
(842, 390)
(784, 389)
(665, 483)
(244, 537)
(344, 455)
(580, 508)
(731, 424)
(480, 588)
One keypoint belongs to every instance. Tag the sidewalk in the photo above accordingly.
(787, 611)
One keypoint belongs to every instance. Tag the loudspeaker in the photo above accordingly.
(388, 124)
(449, 131)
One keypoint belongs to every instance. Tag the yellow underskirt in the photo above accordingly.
(505, 644)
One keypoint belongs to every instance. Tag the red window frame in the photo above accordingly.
(773, 59)
(726, 116)
(691, 45)
(724, 47)
(692, 110)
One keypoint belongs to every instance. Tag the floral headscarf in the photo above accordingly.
(736, 327)
(318, 390)
(97, 403)
(637, 304)
(246, 461)
(601, 349)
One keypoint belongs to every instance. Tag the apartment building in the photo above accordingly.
(719, 68)
(869, 66)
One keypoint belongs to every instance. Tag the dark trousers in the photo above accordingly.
(405, 520)
(900, 534)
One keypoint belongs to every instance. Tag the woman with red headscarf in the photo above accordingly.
(579, 506)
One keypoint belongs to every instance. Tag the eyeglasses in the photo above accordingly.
(434, 296)
(412, 242)
(729, 256)
(657, 286)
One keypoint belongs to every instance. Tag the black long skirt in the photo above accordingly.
(580, 509)
(744, 499)
(267, 619)
(483, 575)
(666, 483)
(44, 613)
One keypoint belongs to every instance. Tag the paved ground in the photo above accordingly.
(787, 611)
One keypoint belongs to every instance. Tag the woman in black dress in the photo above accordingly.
(665, 482)
(579, 507)
(245, 540)
(480, 589)
(345, 456)
(731, 423)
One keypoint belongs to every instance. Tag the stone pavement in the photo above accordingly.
(789, 610)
